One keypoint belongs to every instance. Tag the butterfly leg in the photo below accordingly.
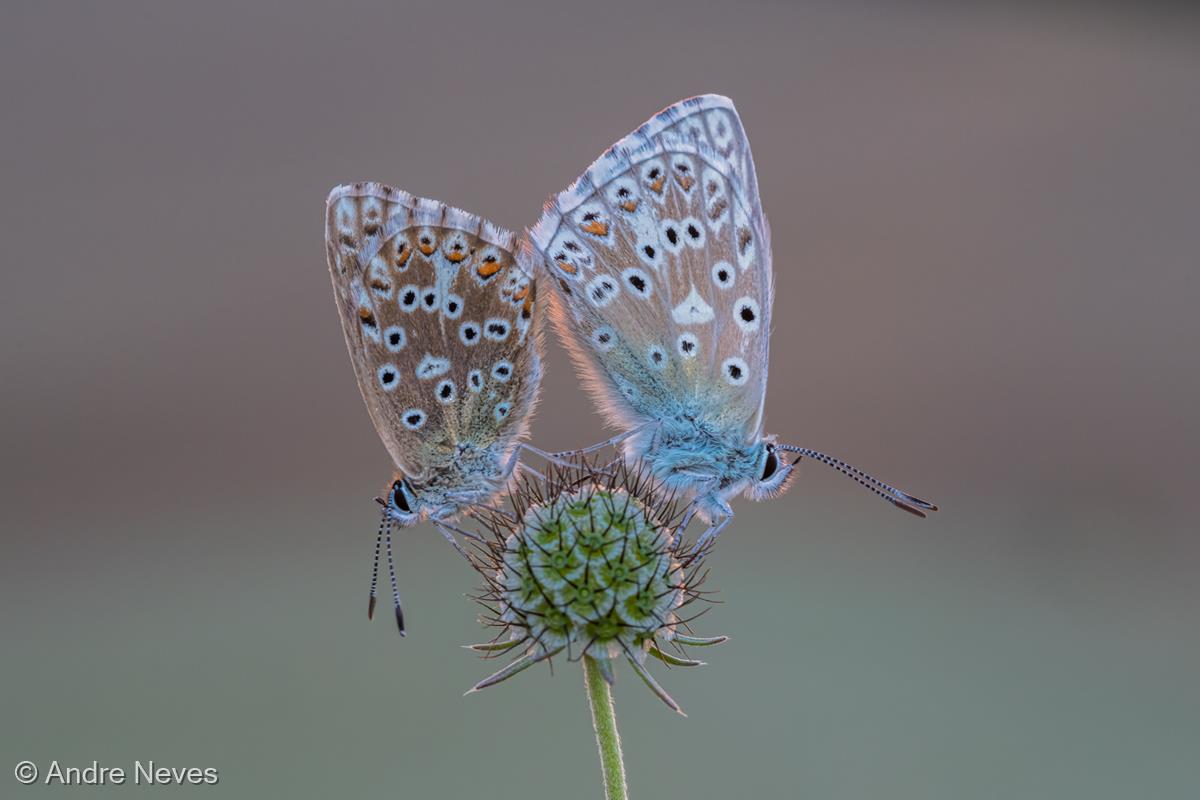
(613, 442)
(445, 528)
(531, 471)
(554, 458)
(711, 534)
(392, 572)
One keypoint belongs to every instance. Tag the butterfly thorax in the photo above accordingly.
(470, 475)
(696, 458)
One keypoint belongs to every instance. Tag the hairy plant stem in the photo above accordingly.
(604, 722)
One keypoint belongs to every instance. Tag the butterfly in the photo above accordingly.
(659, 256)
(438, 308)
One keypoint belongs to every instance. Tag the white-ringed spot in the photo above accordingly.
(672, 235)
(639, 282)
(389, 377)
(601, 290)
(495, 329)
(394, 338)
(408, 297)
(453, 306)
(475, 381)
(656, 357)
(735, 371)
(693, 232)
(446, 392)
(413, 419)
(502, 370)
(468, 333)
(746, 313)
(502, 410)
(604, 338)
(429, 298)
(687, 345)
(723, 275)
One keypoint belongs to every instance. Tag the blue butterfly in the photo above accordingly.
(660, 260)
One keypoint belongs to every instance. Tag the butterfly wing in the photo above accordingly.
(660, 260)
(437, 306)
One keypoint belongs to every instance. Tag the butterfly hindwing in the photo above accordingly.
(437, 307)
(660, 259)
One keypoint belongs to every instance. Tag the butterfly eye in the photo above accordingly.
(399, 500)
(771, 466)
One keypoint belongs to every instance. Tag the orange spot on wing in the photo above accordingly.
(426, 249)
(566, 266)
(519, 294)
(456, 256)
(630, 205)
(657, 185)
(488, 268)
(596, 227)
(686, 182)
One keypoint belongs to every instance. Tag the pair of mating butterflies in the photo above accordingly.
(658, 262)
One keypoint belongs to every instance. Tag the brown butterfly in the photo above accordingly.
(438, 307)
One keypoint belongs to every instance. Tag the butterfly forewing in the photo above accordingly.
(660, 259)
(437, 307)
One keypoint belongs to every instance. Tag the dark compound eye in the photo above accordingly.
(771, 466)
(398, 498)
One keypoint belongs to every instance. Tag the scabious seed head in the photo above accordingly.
(591, 567)
(591, 564)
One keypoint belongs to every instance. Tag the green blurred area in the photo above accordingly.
(871, 657)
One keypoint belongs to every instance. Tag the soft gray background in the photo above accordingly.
(986, 256)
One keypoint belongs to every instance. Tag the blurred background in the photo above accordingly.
(986, 231)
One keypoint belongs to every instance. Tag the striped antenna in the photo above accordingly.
(904, 500)
(383, 520)
(392, 572)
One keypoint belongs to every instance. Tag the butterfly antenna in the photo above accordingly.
(375, 567)
(904, 500)
(392, 572)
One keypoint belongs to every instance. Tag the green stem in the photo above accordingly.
(604, 722)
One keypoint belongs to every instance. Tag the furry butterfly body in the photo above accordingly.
(660, 260)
